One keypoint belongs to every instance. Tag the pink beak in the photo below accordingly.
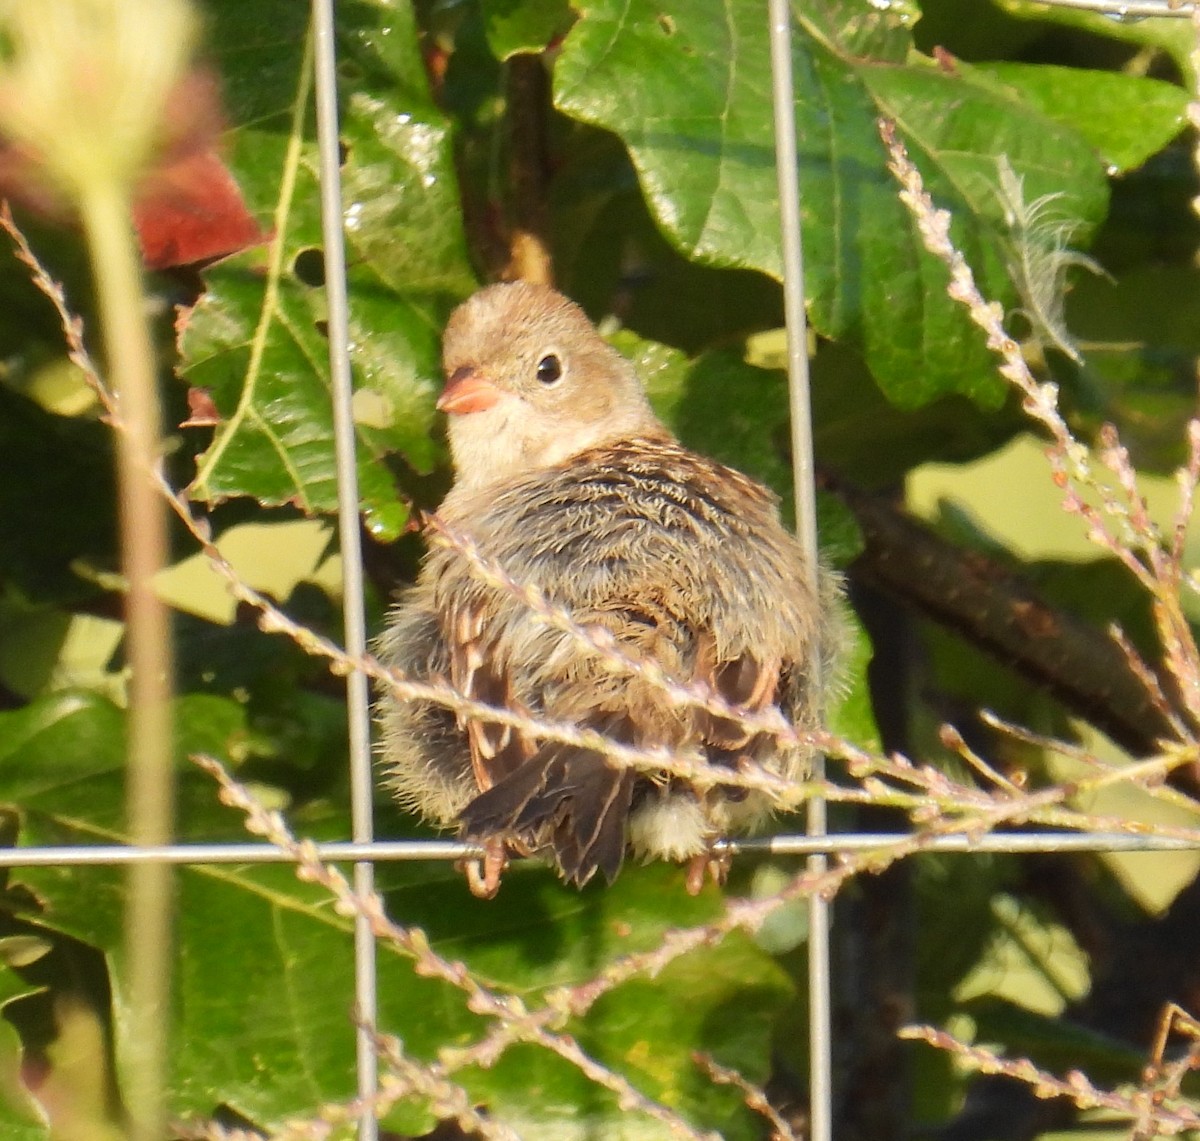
(467, 391)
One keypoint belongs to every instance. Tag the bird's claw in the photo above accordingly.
(709, 863)
(483, 875)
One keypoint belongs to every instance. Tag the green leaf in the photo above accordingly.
(601, 226)
(32, 638)
(850, 712)
(515, 26)
(1055, 1043)
(955, 938)
(538, 933)
(1169, 34)
(863, 438)
(1143, 330)
(636, 1031)
(18, 951)
(270, 989)
(1140, 116)
(20, 1117)
(256, 340)
(691, 101)
(294, 731)
(719, 405)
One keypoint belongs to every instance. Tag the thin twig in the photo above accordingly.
(754, 1096)
(1075, 1087)
(510, 1010)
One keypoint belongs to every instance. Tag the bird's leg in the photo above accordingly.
(709, 863)
(483, 876)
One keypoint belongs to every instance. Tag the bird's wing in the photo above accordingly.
(749, 684)
(496, 750)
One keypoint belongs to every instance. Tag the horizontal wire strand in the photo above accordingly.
(385, 851)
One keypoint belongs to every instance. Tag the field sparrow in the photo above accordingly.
(566, 480)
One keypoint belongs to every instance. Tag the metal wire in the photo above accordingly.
(357, 695)
(820, 1007)
(424, 850)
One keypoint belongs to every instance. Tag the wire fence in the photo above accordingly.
(362, 850)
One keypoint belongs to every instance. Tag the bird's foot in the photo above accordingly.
(483, 875)
(710, 863)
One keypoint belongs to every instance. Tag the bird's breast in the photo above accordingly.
(646, 523)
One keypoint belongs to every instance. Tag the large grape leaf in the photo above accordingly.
(1140, 116)
(256, 340)
(264, 984)
(689, 94)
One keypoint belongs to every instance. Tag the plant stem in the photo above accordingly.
(143, 531)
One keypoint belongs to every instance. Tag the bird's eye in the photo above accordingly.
(549, 369)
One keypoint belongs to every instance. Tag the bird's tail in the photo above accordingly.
(566, 802)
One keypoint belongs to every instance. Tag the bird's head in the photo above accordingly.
(530, 383)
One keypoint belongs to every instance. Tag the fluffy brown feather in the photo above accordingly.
(566, 479)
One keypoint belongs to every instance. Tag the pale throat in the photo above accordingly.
(510, 439)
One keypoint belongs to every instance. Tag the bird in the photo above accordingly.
(568, 486)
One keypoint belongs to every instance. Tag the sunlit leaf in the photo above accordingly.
(690, 97)
(256, 341)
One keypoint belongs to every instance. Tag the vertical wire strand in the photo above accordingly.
(357, 697)
(787, 168)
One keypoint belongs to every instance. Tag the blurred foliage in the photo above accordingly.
(654, 193)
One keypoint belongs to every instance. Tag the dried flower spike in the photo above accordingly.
(84, 84)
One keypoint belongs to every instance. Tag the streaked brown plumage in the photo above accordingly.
(565, 478)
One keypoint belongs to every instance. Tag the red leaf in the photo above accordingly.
(191, 210)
